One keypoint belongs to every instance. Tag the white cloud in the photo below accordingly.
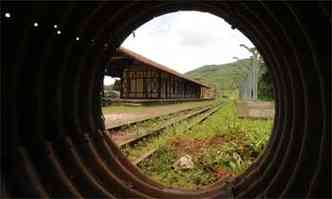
(109, 80)
(186, 40)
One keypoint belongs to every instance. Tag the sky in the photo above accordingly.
(186, 40)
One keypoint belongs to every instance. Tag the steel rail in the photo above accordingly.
(163, 127)
(127, 125)
(200, 120)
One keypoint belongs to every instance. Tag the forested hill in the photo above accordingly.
(224, 76)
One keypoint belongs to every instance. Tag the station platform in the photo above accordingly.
(147, 101)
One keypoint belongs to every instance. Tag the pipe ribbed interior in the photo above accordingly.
(53, 142)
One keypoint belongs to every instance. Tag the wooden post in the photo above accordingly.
(166, 88)
(121, 87)
(128, 84)
(159, 84)
(184, 89)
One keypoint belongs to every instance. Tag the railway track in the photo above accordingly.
(131, 123)
(156, 131)
(128, 133)
(199, 120)
(198, 115)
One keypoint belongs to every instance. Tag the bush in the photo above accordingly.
(265, 88)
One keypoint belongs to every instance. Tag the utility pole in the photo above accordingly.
(252, 75)
(242, 82)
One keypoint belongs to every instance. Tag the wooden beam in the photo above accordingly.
(119, 57)
(121, 61)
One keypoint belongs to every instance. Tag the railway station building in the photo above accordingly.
(142, 78)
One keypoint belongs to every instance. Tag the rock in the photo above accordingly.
(185, 162)
(237, 157)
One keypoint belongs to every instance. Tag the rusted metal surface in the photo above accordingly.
(51, 83)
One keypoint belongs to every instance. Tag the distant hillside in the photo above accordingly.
(224, 76)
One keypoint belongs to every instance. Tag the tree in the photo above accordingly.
(265, 87)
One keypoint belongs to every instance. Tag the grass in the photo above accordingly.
(155, 123)
(222, 146)
(223, 75)
(145, 145)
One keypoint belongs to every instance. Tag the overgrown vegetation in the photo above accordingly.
(226, 77)
(223, 76)
(265, 89)
(155, 142)
(221, 147)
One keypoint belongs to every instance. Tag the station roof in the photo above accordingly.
(135, 56)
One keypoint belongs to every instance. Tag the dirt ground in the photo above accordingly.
(115, 119)
(184, 146)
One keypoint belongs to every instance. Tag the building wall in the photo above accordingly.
(207, 92)
(144, 82)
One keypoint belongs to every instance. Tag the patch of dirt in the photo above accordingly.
(115, 119)
(222, 174)
(182, 146)
(217, 140)
(187, 146)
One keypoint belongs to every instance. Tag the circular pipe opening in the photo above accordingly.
(54, 143)
(129, 66)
